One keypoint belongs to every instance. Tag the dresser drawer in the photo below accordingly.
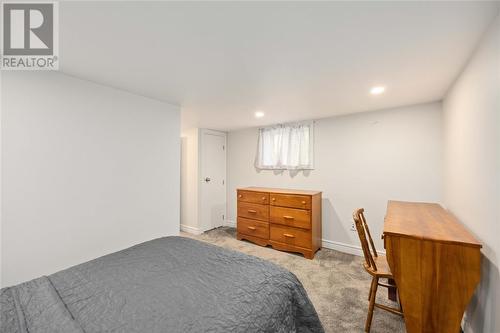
(290, 236)
(253, 197)
(291, 200)
(253, 211)
(299, 218)
(253, 228)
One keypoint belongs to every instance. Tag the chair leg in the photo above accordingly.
(399, 302)
(371, 290)
(373, 295)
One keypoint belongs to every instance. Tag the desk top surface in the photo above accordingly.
(427, 221)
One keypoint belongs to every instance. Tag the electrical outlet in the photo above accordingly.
(353, 227)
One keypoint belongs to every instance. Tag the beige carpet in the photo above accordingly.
(335, 282)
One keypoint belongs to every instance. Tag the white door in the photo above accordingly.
(213, 179)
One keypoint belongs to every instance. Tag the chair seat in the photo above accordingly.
(383, 269)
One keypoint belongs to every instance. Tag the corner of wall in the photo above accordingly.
(189, 179)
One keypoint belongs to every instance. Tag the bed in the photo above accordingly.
(170, 284)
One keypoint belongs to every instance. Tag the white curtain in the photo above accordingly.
(288, 146)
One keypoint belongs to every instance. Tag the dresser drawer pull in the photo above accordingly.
(273, 199)
(240, 196)
(264, 198)
(303, 202)
(287, 217)
(289, 235)
(251, 228)
(251, 211)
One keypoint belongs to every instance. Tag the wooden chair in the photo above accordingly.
(375, 265)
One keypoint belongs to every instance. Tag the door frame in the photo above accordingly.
(201, 146)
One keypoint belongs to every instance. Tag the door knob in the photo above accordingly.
(207, 179)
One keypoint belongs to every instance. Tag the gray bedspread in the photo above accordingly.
(170, 284)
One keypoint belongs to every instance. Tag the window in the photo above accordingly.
(288, 146)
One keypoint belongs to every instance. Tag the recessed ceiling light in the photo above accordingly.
(377, 90)
(259, 114)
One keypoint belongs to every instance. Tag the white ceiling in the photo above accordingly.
(222, 61)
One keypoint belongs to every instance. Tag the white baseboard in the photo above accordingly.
(346, 248)
(191, 230)
(342, 247)
(230, 223)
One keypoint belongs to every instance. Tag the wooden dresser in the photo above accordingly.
(288, 220)
(436, 263)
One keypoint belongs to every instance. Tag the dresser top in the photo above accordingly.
(428, 221)
(279, 190)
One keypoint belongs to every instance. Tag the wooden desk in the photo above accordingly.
(436, 263)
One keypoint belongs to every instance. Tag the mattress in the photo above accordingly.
(170, 284)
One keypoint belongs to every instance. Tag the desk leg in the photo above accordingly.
(391, 292)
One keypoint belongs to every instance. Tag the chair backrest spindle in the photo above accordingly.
(365, 238)
(365, 225)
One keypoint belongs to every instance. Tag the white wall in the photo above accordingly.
(472, 169)
(86, 170)
(361, 160)
(190, 181)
